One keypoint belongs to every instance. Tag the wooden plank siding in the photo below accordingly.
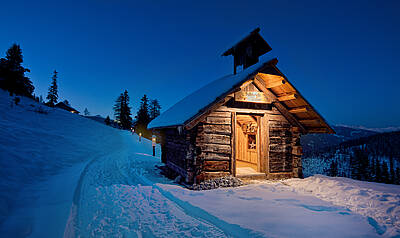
(208, 149)
(214, 145)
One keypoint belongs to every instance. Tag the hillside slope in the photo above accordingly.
(37, 144)
(65, 175)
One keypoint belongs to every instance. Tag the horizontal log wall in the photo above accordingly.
(205, 151)
(280, 154)
(297, 152)
(284, 158)
(213, 144)
(178, 153)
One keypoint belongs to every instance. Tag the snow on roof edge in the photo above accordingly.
(192, 105)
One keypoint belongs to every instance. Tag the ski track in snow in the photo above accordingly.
(123, 195)
(115, 198)
(116, 191)
(41, 158)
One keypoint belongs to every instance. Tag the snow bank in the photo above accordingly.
(122, 194)
(379, 202)
(113, 201)
(36, 144)
(275, 210)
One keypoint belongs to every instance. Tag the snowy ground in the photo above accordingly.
(123, 195)
(41, 158)
(380, 203)
(64, 175)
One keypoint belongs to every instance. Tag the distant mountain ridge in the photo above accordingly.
(379, 130)
(316, 142)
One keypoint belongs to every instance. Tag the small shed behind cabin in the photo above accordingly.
(66, 107)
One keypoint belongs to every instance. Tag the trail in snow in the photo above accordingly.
(120, 193)
(116, 198)
(41, 158)
(123, 195)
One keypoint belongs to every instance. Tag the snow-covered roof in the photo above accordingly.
(186, 109)
(64, 106)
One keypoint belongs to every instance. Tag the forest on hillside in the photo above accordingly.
(373, 158)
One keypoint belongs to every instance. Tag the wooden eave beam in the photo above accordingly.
(270, 80)
(288, 97)
(281, 108)
(309, 121)
(269, 77)
(329, 129)
(299, 109)
(275, 84)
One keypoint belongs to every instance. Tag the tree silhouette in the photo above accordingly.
(117, 108)
(143, 116)
(154, 109)
(122, 111)
(12, 73)
(385, 173)
(125, 118)
(86, 112)
(52, 95)
(333, 170)
(107, 121)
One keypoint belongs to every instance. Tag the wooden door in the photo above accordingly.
(247, 142)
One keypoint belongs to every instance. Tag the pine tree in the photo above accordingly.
(398, 175)
(143, 116)
(86, 112)
(392, 177)
(122, 111)
(373, 170)
(360, 165)
(52, 95)
(333, 171)
(378, 172)
(154, 109)
(385, 173)
(107, 120)
(126, 119)
(12, 73)
(117, 108)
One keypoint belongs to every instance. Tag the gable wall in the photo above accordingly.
(206, 151)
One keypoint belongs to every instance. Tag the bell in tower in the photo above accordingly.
(247, 51)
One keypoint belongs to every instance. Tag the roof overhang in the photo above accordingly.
(286, 98)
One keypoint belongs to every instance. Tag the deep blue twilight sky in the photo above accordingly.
(342, 56)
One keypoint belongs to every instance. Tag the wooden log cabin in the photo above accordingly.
(247, 124)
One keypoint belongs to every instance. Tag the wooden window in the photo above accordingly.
(251, 142)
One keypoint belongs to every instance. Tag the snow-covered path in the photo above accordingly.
(64, 175)
(123, 195)
(116, 199)
(42, 154)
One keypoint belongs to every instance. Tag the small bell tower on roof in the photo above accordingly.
(247, 51)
